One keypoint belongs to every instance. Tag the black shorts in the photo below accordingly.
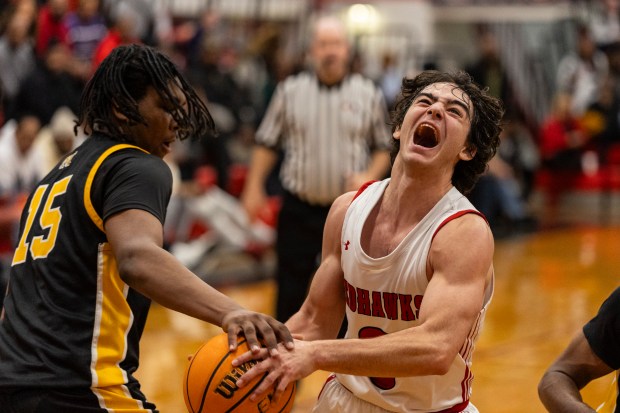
(60, 401)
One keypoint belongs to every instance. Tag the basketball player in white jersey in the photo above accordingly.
(408, 260)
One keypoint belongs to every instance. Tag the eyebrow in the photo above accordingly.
(450, 101)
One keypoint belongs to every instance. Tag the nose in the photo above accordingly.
(173, 124)
(435, 110)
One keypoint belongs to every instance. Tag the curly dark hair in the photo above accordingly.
(486, 121)
(122, 80)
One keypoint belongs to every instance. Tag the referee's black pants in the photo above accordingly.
(298, 247)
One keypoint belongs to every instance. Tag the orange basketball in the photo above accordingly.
(210, 382)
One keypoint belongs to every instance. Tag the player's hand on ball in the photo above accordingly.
(210, 382)
(289, 366)
(254, 325)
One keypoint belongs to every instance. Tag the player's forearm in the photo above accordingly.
(311, 328)
(384, 356)
(158, 275)
(559, 393)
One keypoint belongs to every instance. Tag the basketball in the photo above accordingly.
(210, 382)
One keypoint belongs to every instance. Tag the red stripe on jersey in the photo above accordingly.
(458, 408)
(362, 188)
(458, 215)
(330, 378)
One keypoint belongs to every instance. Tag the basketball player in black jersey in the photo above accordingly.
(90, 258)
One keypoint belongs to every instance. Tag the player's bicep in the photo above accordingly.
(460, 266)
(133, 234)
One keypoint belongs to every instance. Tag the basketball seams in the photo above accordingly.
(247, 394)
(211, 369)
(217, 368)
(290, 398)
(189, 369)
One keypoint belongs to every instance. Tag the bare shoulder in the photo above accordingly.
(341, 204)
(468, 230)
(337, 212)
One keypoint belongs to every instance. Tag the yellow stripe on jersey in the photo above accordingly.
(94, 216)
(113, 320)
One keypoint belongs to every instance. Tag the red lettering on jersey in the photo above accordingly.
(363, 302)
(384, 383)
(406, 312)
(351, 296)
(346, 245)
(389, 303)
(382, 304)
(417, 303)
(377, 305)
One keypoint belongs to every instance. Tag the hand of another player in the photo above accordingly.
(253, 326)
(290, 365)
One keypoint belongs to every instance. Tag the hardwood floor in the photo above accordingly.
(548, 284)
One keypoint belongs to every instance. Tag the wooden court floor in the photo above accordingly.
(548, 284)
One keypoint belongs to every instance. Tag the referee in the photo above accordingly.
(332, 129)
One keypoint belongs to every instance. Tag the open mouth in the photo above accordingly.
(425, 135)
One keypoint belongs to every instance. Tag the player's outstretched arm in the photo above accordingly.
(577, 366)
(321, 314)
(136, 238)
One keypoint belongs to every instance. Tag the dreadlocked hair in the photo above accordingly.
(122, 80)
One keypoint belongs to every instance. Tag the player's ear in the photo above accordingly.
(468, 153)
(396, 134)
(119, 115)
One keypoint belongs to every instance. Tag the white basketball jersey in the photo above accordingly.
(384, 295)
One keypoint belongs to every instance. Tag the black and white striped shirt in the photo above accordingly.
(326, 133)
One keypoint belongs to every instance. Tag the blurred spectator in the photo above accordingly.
(217, 81)
(51, 26)
(50, 86)
(503, 192)
(605, 22)
(16, 57)
(201, 203)
(601, 120)
(152, 24)
(86, 29)
(125, 30)
(22, 164)
(263, 65)
(488, 69)
(58, 138)
(581, 73)
(391, 78)
(562, 137)
(520, 150)
(229, 104)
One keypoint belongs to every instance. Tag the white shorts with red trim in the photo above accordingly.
(335, 398)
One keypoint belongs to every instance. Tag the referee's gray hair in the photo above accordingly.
(319, 20)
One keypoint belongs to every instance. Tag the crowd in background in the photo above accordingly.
(49, 49)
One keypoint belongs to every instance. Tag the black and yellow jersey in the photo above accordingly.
(68, 318)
